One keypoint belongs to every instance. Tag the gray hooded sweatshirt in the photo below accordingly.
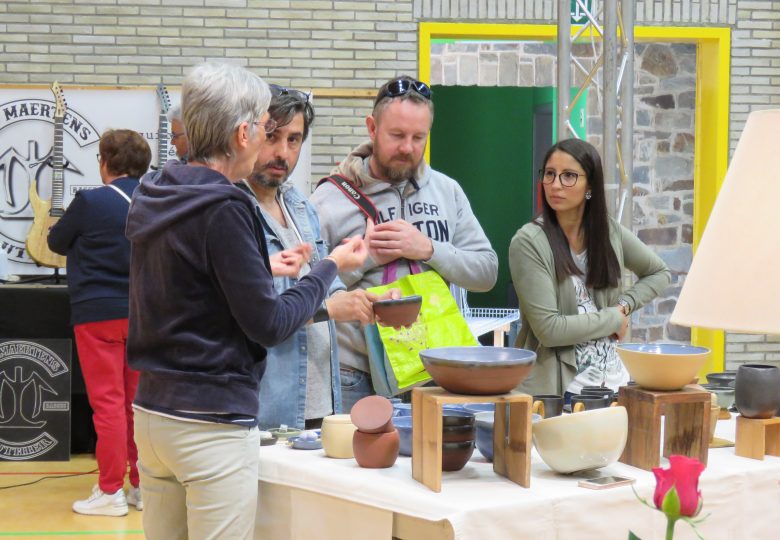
(432, 202)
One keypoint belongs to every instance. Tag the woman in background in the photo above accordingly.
(92, 235)
(566, 267)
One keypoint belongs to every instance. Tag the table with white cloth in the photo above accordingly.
(305, 495)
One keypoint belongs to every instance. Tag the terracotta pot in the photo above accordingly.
(757, 390)
(376, 450)
(336, 434)
(400, 312)
(455, 455)
(373, 414)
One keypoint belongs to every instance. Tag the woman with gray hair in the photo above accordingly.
(203, 310)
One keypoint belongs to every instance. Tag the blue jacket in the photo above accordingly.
(283, 388)
(203, 308)
(91, 234)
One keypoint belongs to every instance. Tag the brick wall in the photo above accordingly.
(333, 45)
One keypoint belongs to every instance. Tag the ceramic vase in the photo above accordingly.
(757, 392)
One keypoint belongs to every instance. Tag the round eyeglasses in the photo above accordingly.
(567, 178)
(268, 126)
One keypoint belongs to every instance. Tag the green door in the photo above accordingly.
(483, 138)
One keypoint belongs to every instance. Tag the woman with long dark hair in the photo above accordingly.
(566, 267)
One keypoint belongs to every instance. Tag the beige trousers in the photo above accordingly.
(198, 480)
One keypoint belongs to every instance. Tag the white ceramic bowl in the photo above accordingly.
(662, 366)
(582, 441)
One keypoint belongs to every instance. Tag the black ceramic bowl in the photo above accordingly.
(455, 455)
(454, 417)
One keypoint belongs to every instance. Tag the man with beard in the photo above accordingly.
(301, 384)
(423, 215)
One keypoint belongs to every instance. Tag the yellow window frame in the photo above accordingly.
(711, 146)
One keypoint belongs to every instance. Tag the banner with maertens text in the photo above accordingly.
(27, 140)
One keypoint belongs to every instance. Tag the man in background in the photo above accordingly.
(301, 384)
(423, 215)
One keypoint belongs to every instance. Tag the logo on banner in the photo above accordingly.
(23, 159)
(34, 399)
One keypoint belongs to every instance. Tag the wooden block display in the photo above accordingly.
(757, 437)
(686, 425)
(511, 448)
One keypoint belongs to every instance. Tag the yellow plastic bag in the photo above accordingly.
(394, 354)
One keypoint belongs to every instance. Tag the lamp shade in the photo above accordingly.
(734, 280)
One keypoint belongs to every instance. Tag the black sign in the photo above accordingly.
(35, 399)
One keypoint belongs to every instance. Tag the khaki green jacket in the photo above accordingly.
(550, 324)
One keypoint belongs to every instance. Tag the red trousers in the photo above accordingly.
(111, 388)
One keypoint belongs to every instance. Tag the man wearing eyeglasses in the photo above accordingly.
(301, 384)
(423, 215)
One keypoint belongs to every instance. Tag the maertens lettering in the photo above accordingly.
(34, 109)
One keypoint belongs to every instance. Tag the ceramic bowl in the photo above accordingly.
(725, 394)
(400, 312)
(478, 370)
(722, 378)
(454, 417)
(662, 366)
(404, 426)
(455, 455)
(477, 408)
(484, 440)
(582, 441)
(284, 432)
(402, 409)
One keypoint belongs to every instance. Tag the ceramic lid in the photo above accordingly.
(337, 419)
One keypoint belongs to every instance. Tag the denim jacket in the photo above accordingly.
(283, 386)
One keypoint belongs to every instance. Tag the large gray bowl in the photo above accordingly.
(478, 370)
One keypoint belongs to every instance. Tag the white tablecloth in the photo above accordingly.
(742, 495)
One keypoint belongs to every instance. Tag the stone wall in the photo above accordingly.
(665, 86)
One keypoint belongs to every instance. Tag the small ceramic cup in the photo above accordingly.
(337, 431)
(588, 403)
(607, 393)
(548, 405)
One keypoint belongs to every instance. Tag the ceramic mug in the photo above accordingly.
(548, 405)
(588, 403)
(605, 392)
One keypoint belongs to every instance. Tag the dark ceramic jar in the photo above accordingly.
(757, 393)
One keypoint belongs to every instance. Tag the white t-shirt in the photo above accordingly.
(597, 359)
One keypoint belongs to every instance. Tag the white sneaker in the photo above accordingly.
(134, 497)
(103, 504)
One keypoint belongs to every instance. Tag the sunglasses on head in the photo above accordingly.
(277, 91)
(401, 87)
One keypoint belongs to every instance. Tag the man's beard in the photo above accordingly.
(268, 181)
(395, 173)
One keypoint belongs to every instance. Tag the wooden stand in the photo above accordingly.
(686, 426)
(511, 454)
(757, 437)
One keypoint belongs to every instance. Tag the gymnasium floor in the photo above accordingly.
(43, 510)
